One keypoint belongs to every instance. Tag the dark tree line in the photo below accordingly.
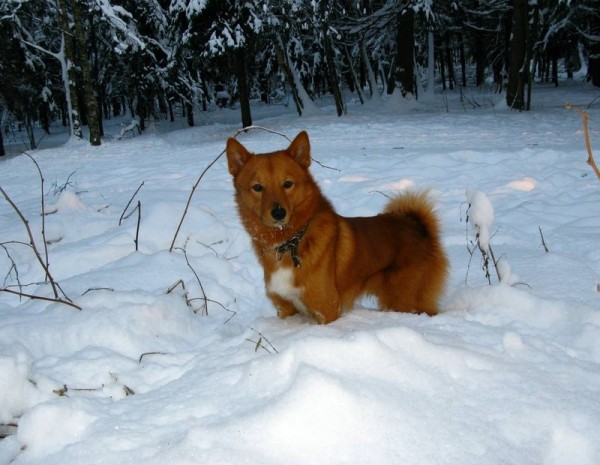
(84, 61)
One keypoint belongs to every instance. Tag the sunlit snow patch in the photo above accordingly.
(526, 184)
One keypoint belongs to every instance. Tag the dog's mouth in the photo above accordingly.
(276, 224)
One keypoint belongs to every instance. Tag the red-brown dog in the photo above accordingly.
(318, 262)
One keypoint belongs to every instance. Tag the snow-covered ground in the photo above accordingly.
(151, 372)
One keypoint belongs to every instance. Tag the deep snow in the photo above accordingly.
(507, 373)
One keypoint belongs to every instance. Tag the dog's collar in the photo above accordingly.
(291, 246)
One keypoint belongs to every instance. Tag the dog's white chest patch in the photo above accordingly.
(281, 283)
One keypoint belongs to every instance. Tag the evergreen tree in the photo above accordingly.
(518, 66)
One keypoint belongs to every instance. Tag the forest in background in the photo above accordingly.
(83, 61)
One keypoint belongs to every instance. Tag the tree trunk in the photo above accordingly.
(555, 67)
(101, 100)
(29, 131)
(242, 78)
(517, 66)
(171, 114)
(301, 97)
(594, 70)
(443, 66)
(70, 77)
(190, 114)
(141, 111)
(430, 64)
(2, 150)
(331, 72)
(371, 78)
(530, 38)
(479, 59)
(405, 53)
(283, 62)
(355, 80)
(91, 99)
(463, 61)
(449, 61)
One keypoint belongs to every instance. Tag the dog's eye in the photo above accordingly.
(287, 184)
(257, 187)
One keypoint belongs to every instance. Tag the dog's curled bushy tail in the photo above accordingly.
(418, 205)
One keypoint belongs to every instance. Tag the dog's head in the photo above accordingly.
(272, 186)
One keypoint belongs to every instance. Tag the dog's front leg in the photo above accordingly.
(284, 307)
(327, 314)
(325, 307)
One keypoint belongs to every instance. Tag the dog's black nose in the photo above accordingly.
(278, 213)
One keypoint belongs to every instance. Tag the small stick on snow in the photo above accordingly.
(129, 203)
(38, 297)
(137, 229)
(543, 240)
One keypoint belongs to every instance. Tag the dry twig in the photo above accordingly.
(204, 297)
(43, 264)
(259, 343)
(129, 203)
(585, 117)
(43, 212)
(39, 297)
(543, 240)
(31, 241)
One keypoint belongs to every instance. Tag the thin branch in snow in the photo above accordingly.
(129, 203)
(43, 213)
(145, 354)
(32, 244)
(543, 240)
(204, 297)
(92, 289)
(137, 229)
(12, 268)
(269, 348)
(585, 117)
(38, 297)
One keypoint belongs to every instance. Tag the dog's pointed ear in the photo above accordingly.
(237, 156)
(299, 149)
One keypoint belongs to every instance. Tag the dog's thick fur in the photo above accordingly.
(318, 262)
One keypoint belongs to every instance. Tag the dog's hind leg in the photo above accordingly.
(406, 290)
